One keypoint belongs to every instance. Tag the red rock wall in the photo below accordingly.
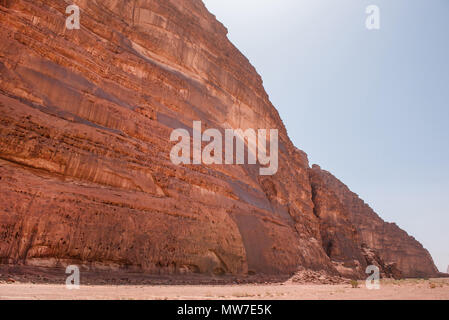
(85, 121)
(392, 244)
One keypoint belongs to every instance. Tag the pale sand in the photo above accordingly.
(390, 289)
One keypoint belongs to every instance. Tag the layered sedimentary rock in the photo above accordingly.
(380, 241)
(85, 172)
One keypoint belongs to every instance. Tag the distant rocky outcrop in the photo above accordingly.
(393, 246)
(85, 172)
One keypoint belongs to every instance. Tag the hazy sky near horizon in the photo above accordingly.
(371, 106)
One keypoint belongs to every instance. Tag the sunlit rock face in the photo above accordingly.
(361, 224)
(86, 177)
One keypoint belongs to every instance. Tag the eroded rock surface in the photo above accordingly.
(392, 249)
(85, 121)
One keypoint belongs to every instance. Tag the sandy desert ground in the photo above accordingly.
(390, 289)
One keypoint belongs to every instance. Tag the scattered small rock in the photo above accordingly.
(304, 276)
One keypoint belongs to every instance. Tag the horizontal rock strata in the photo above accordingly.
(85, 172)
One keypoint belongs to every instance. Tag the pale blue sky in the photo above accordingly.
(372, 107)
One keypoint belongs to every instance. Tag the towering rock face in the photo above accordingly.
(85, 171)
(390, 242)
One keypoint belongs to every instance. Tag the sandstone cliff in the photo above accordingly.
(85, 173)
(390, 242)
